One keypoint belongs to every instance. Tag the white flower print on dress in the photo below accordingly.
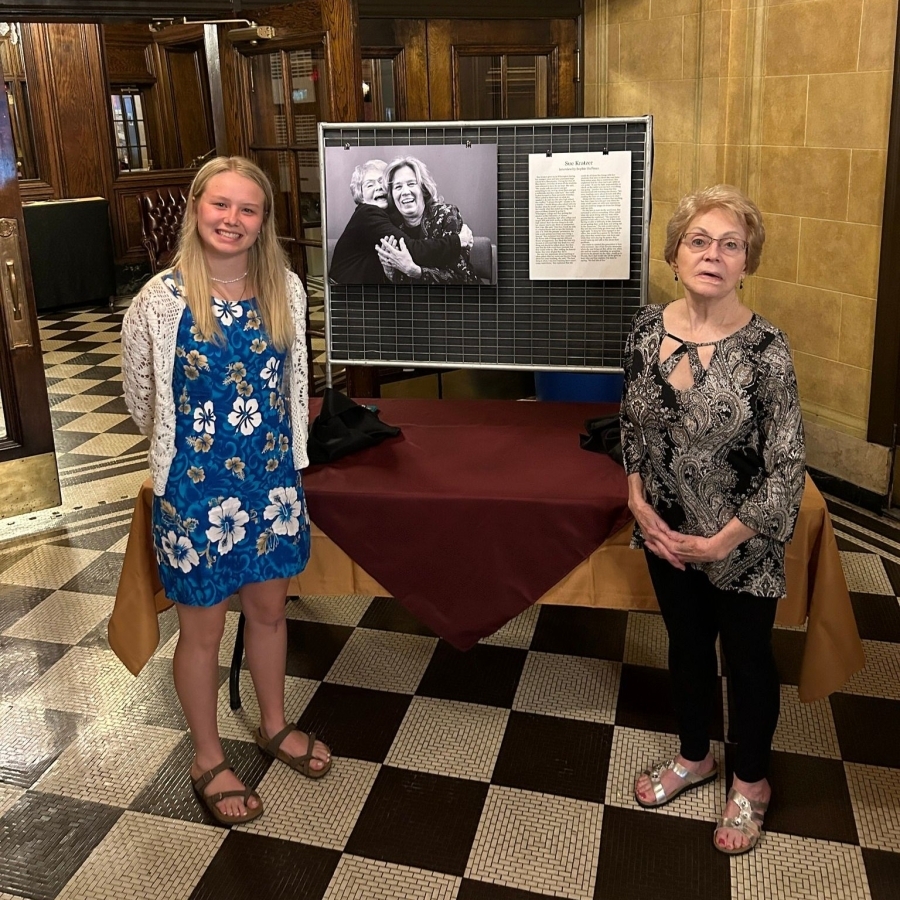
(205, 418)
(285, 509)
(270, 372)
(227, 524)
(226, 311)
(179, 551)
(245, 415)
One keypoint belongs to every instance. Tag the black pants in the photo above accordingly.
(695, 612)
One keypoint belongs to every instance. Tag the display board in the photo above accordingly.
(486, 312)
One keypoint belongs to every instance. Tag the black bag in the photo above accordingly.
(603, 436)
(343, 427)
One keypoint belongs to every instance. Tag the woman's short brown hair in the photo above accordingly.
(719, 196)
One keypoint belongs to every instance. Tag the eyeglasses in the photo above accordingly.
(697, 242)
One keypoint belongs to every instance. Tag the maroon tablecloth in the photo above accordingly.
(475, 511)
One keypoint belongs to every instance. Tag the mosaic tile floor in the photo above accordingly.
(500, 774)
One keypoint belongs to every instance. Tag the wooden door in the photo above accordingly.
(469, 69)
(28, 474)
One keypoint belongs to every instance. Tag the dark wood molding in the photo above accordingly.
(467, 9)
(884, 396)
(212, 49)
(126, 10)
(341, 24)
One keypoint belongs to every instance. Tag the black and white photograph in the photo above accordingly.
(412, 214)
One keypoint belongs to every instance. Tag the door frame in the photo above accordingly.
(884, 395)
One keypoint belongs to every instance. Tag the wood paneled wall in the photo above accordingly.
(68, 70)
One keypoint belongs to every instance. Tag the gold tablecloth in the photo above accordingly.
(613, 576)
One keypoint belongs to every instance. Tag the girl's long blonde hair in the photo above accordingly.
(266, 264)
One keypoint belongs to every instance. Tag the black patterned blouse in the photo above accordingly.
(731, 445)
(440, 220)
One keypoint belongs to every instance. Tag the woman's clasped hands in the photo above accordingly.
(680, 549)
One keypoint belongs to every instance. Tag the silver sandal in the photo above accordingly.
(748, 822)
(689, 780)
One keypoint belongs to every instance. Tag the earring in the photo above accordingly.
(742, 282)
(676, 277)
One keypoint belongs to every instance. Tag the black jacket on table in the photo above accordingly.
(731, 445)
(355, 259)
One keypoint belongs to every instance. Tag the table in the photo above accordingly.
(478, 509)
(346, 498)
(419, 516)
(71, 251)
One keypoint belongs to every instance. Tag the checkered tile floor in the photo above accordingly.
(501, 774)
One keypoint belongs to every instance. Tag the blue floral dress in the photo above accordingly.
(233, 510)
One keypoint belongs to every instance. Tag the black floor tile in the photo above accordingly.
(254, 867)
(554, 756)
(810, 797)
(109, 388)
(23, 661)
(75, 345)
(98, 577)
(580, 631)
(877, 617)
(882, 525)
(114, 406)
(97, 637)
(67, 441)
(153, 701)
(417, 819)
(17, 601)
(95, 540)
(45, 838)
(171, 794)
(646, 856)
(481, 890)
(12, 556)
(93, 358)
(40, 736)
(868, 729)
(355, 722)
(645, 702)
(484, 674)
(893, 572)
(102, 373)
(847, 545)
(883, 874)
(788, 649)
(77, 332)
(386, 614)
(313, 647)
(127, 426)
(62, 417)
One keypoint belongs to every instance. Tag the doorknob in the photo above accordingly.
(13, 299)
(13, 288)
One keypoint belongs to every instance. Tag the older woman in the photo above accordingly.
(414, 201)
(713, 444)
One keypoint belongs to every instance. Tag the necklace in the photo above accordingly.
(229, 280)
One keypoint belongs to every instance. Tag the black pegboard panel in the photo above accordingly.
(517, 323)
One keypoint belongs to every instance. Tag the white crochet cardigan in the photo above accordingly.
(149, 333)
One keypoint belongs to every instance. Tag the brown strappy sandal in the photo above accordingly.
(210, 800)
(301, 764)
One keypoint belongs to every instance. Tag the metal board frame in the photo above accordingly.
(517, 323)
